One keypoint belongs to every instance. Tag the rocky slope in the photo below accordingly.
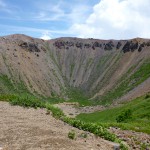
(103, 70)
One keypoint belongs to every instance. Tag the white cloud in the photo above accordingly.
(46, 36)
(116, 19)
(78, 13)
(49, 11)
(62, 11)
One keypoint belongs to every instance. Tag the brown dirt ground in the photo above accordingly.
(73, 109)
(32, 129)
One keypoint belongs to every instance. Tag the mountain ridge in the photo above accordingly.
(53, 68)
(18, 34)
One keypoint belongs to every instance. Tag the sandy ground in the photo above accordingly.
(73, 109)
(31, 129)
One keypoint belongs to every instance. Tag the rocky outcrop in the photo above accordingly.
(118, 45)
(130, 46)
(141, 47)
(32, 47)
(109, 46)
(61, 44)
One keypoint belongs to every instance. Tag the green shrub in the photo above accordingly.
(7, 97)
(124, 116)
(91, 127)
(72, 135)
(56, 112)
(147, 96)
(22, 100)
(27, 102)
(95, 129)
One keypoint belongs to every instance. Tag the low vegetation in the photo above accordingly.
(124, 116)
(72, 135)
(76, 95)
(134, 115)
(57, 113)
(22, 100)
(95, 129)
(55, 100)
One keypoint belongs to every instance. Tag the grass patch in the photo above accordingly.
(9, 86)
(6, 84)
(27, 102)
(76, 95)
(55, 100)
(22, 100)
(139, 120)
(56, 112)
(71, 69)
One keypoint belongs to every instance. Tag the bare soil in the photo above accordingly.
(73, 109)
(32, 129)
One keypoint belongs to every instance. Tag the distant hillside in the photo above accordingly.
(102, 71)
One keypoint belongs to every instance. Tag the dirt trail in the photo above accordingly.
(71, 109)
(31, 129)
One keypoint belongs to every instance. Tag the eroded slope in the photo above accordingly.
(103, 70)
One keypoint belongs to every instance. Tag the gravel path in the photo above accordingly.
(31, 129)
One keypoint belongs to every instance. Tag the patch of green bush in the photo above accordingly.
(7, 97)
(124, 116)
(95, 129)
(55, 100)
(27, 102)
(56, 112)
(147, 96)
(72, 135)
(24, 100)
(91, 127)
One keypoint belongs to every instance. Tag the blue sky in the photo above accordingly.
(105, 19)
